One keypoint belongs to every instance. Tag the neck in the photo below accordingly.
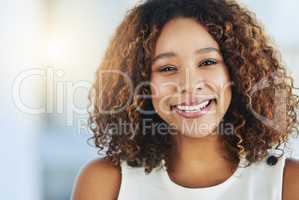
(199, 157)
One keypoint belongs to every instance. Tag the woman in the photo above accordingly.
(188, 78)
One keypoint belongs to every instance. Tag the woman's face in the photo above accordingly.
(190, 83)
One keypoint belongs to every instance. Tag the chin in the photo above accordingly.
(196, 136)
(196, 133)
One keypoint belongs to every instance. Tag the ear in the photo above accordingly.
(291, 180)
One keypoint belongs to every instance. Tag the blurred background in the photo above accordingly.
(49, 53)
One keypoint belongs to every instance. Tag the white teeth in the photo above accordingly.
(194, 108)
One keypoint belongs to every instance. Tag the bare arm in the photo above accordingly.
(98, 180)
(291, 180)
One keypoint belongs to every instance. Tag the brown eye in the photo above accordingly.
(208, 62)
(167, 69)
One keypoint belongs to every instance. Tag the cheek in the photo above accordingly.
(156, 92)
(226, 96)
(160, 86)
(224, 92)
(162, 90)
(155, 88)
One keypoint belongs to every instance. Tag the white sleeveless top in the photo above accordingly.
(259, 181)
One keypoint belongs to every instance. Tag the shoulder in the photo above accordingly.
(291, 180)
(98, 179)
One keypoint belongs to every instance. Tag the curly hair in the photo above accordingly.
(251, 60)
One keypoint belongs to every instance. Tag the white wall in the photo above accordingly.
(21, 39)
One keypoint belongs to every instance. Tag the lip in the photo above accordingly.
(193, 102)
(194, 114)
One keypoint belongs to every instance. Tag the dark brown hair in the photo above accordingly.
(250, 57)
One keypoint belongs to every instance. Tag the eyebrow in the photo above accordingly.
(172, 54)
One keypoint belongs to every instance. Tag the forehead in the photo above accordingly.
(183, 34)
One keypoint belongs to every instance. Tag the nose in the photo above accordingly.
(190, 81)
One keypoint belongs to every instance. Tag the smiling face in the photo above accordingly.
(190, 83)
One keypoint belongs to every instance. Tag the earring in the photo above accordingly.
(273, 158)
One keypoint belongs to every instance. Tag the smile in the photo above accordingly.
(194, 110)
